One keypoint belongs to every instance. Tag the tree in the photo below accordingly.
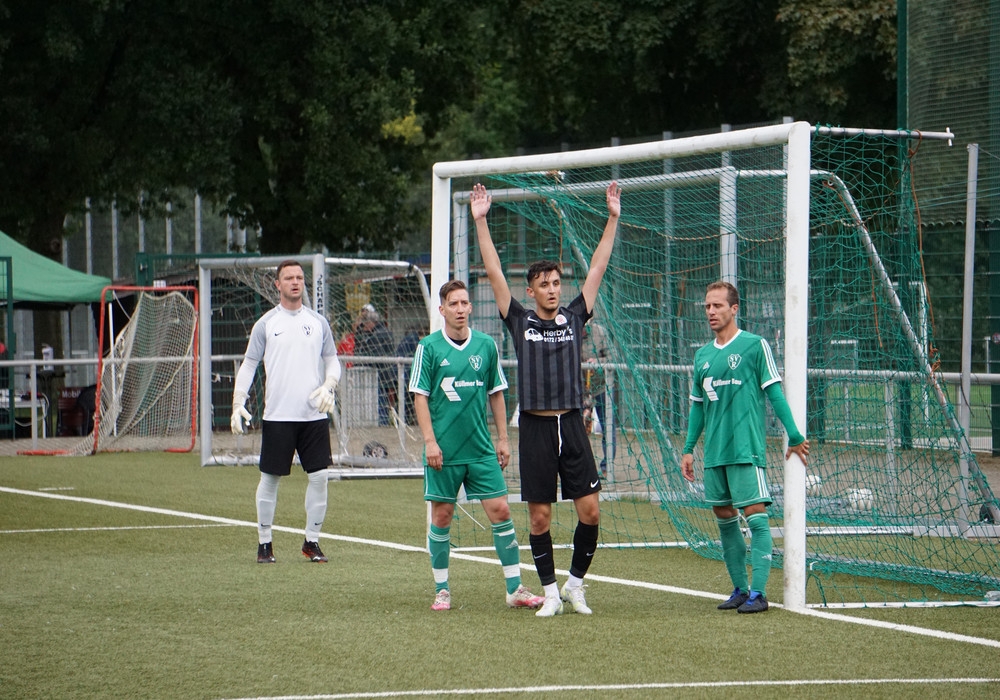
(319, 119)
(275, 108)
(841, 64)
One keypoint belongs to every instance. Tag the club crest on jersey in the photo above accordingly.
(560, 320)
(734, 361)
(476, 361)
(308, 330)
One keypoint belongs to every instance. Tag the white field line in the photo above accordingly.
(630, 686)
(925, 632)
(110, 529)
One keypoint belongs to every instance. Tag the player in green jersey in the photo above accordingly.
(732, 375)
(456, 372)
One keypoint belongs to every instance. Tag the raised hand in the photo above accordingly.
(479, 201)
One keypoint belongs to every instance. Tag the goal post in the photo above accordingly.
(147, 381)
(797, 216)
(383, 304)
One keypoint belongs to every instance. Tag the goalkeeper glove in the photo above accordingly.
(240, 413)
(323, 399)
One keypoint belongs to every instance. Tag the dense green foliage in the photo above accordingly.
(318, 120)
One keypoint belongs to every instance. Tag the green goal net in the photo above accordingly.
(896, 507)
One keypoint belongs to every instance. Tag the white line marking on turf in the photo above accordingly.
(629, 686)
(937, 634)
(110, 529)
(201, 516)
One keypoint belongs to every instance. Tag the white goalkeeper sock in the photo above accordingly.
(316, 504)
(267, 499)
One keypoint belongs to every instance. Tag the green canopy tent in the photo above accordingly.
(29, 280)
(42, 283)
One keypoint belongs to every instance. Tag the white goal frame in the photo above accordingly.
(345, 466)
(449, 257)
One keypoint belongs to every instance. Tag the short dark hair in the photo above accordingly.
(537, 269)
(449, 287)
(286, 263)
(732, 295)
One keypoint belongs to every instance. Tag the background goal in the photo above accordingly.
(377, 309)
(818, 228)
(147, 375)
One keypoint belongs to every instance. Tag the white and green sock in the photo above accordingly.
(505, 542)
(439, 546)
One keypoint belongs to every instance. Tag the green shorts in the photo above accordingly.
(737, 485)
(482, 480)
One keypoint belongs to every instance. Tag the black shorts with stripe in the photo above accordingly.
(551, 447)
(280, 440)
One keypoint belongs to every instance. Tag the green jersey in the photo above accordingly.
(457, 381)
(729, 381)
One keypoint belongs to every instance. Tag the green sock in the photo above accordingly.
(734, 551)
(439, 545)
(761, 545)
(505, 542)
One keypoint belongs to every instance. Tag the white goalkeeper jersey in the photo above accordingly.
(293, 346)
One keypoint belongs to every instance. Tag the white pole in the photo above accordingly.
(727, 225)
(197, 223)
(114, 240)
(319, 283)
(141, 225)
(796, 346)
(169, 229)
(440, 239)
(89, 230)
(205, 371)
(460, 241)
(964, 412)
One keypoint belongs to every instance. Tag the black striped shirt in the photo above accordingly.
(548, 355)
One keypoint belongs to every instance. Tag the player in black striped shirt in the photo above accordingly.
(552, 440)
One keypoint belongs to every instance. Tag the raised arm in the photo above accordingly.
(480, 202)
(602, 254)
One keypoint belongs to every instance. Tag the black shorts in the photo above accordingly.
(280, 440)
(555, 446)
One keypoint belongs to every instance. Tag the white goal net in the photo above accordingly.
(146, 381)
(377, 310)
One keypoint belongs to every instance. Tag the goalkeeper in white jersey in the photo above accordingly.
(456, 373)
(732, 376)
(302, 370)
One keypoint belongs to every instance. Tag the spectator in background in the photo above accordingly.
(373, 339)
(346, 346)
